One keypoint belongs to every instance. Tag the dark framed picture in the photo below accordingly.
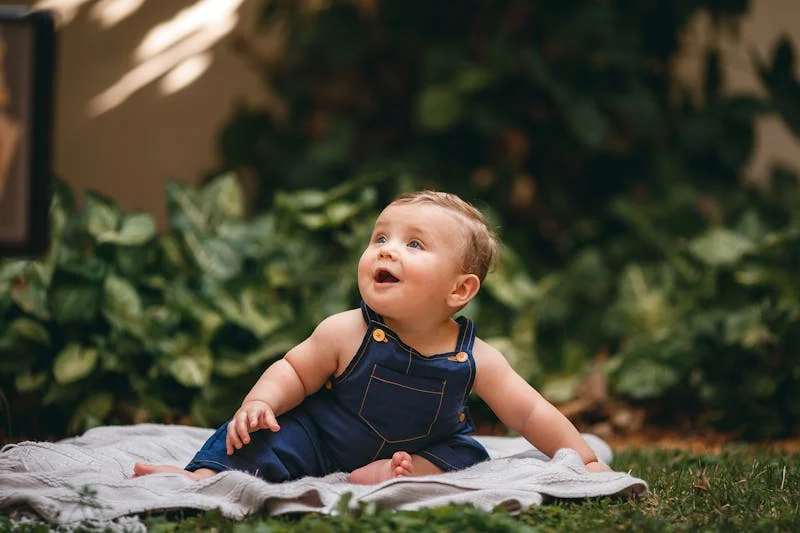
(27, 62)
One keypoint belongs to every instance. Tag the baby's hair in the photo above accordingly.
(482, 248)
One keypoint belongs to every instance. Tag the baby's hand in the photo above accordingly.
(250, 417)
(596, 466)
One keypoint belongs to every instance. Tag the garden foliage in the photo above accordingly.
(621, 191)
(632, 238)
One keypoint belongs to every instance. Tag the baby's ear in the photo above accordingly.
(464, 290)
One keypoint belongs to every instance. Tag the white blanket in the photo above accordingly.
(87, 479)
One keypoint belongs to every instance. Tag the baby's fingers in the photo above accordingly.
(238, 434)
(232, 440)
(269, 421)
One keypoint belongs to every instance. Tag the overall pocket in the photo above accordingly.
(399, 407)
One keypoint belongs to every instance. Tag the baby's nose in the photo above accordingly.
(386, 251)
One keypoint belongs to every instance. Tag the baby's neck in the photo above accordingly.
(428, 338)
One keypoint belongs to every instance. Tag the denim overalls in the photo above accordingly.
(388, 399)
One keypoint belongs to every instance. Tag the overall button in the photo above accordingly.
(462, 417)
(379, 335)
(328, 385)
(462, 357)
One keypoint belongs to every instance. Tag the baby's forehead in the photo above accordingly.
(411, 213)
(424, 219)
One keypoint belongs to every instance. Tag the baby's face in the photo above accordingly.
(412, 261)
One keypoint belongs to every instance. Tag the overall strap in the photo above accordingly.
(370, 315)
(466, 338)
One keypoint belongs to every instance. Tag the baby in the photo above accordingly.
(381, 391)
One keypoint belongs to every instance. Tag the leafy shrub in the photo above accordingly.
(120, 323)
(629, 231)
(599, 168)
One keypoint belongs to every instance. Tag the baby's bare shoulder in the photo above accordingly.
(344, 331)
(341, 328)
(484, 352)
(488, 360)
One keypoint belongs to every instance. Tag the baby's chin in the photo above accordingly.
(382, 306)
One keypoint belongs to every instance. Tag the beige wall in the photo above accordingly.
(129, 151)
(767, 21)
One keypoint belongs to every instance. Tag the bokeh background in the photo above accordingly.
(220, 162)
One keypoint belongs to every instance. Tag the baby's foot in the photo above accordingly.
(400, 465)
(144, 469)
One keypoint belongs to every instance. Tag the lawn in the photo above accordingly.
(739, 489)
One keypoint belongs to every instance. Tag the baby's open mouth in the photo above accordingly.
(384, 276)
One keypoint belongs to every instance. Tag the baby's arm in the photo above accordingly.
(523, 409)
(285, 383)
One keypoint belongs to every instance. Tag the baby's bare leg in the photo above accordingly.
(400, 465)
(144, 469)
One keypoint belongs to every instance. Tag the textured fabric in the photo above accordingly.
(49, 477)
(389, 398)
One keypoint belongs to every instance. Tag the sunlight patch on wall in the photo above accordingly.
(184, 74)
(110, 12)
(176, 51)
(64, 10)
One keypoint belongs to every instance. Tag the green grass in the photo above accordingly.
(739, 489)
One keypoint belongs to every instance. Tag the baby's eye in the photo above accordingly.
(415, 244)
(380, 239)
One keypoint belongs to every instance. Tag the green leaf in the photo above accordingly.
(74, 363)
(173, 257)
(262, 324)
(339, 212)
(222, 199)
(301, 200)
(137, 229)
(560, 389)
(100, 214)
(512, 285)
(720, 247)
(10, 270)
(121, 304)
(31, 330)
(184, 208)
(214, 256)
(439, 108)
(255, 360)
(192, 369)
(90, 269)
(92, 412)
(644, 378)
(73, 304)
(30, 295)
(28, 382)
(473, 79)
(313, 221)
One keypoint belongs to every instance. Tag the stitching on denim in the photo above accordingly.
(426, 452)
(439, 408)
(471, 362)
(391, 335)
(378, 378)
(462, 334)
(377, 453)
(224, 466)
(377, 432)
(357, 358)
